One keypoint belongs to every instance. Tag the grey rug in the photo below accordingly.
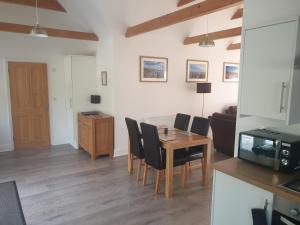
(11, 212)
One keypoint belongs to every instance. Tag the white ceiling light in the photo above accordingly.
(206, 41)
(37, 30)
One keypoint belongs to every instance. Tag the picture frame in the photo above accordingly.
(197, 71)
(231, 72)
(104, 78)
(153, 69)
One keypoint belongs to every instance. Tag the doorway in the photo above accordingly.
(29, 104)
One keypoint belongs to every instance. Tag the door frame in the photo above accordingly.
(7, 91)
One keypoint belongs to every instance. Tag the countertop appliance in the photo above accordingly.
(285, 212)
(273, 149)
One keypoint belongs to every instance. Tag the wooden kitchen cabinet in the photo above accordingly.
(96, 134)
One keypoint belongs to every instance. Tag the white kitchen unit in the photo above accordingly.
(233, 200)
(81, 81)
(270, 75)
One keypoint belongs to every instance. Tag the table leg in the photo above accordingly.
(169, 172)
(206, 163)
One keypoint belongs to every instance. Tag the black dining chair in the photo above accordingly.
(155, 155)
(199, 126)
(135, 145)
(182, 121)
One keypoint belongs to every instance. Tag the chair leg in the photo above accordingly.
(139, 168)
(131, 164)
(183, 175)
(190, 167)
(145, 174)
(202, 167)
(157, 183)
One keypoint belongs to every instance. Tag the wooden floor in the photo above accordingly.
(62, 186)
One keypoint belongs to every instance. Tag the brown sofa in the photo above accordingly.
(223, 129)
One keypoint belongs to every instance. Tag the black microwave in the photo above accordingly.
(272, 149)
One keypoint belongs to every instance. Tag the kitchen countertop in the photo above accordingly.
(259, 176)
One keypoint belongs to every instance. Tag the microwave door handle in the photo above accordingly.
(277, 153)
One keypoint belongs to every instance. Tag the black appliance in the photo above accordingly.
(285, 212)
(272, 149)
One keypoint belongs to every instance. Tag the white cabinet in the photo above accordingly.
(270, 79)
(81, 81)
(233, 200)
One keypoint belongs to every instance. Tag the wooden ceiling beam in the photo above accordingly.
(25, 29)
(234, 46)
(215, 35)
(43, 4)
(182, 15)
(238, 14)
(184, 2)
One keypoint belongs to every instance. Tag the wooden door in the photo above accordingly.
(29, 104)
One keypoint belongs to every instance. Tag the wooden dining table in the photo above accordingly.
(180, 139)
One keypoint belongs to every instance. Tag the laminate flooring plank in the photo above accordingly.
(62, 186)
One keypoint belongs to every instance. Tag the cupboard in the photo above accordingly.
(270, 74)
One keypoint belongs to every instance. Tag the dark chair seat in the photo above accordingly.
(195, 153)
(199, 126)
(155, 155)
(180, 158)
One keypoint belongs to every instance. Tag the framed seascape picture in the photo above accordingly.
(231, 72)
(153, 69)
(196, 71)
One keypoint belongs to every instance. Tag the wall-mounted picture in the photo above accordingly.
(153, 69)
(231, 72)
(104, 78)
(196, 71)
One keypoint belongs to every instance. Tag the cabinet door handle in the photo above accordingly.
(283, 87)
(71, 103)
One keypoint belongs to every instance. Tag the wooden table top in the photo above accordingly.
(259, 176)
(182, 140)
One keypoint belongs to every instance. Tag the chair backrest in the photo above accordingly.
(135, 138)
(153, 153)
(182, 121)
(200, 126)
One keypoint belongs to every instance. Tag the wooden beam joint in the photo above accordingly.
(215, 35)
(188, 13)
(238, 14)
(45, 4)
(234, 46)
(25, 29)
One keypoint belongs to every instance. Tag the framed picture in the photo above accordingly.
(104, 78)
(196, 71)
(231, 72)
(153, 69)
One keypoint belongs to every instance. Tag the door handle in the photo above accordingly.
(47, 109)
(283, 88)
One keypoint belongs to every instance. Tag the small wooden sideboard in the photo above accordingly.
(96, 134)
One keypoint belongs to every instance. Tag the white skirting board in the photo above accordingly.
(6, 148)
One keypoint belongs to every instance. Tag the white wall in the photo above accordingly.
(17, 47)
(259, 12)
(141, 100)
(125, 95)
